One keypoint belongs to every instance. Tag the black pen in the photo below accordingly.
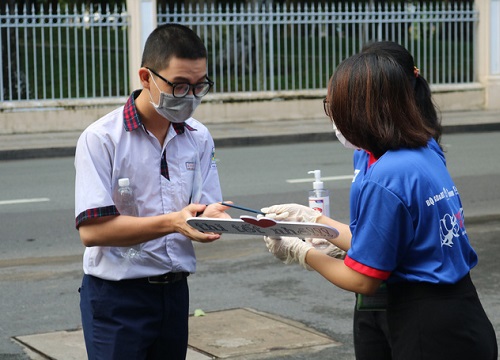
(243, 208)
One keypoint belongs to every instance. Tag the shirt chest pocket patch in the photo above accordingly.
(190, 165)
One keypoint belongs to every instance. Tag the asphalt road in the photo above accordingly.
(40, 256)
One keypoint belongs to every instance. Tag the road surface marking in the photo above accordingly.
(326, 178)
(23, 201)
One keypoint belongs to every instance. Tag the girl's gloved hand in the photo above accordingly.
(289, 249)
(291, 212)
(327, 248)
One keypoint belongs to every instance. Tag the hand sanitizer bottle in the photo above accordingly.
(319, 198)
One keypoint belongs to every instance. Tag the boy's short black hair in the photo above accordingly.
(171, 40)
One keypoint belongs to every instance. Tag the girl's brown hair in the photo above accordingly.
(373, 105)
(420, 86)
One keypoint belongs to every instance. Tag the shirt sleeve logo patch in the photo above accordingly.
(213, 161)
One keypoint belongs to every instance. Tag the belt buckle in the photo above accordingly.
(167, 278)
(159, 279)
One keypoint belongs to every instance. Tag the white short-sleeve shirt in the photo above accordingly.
(165, 179)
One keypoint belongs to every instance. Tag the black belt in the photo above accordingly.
(168, 278)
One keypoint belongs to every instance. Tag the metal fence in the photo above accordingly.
(82, 52)
(274, 48)
(63, 53)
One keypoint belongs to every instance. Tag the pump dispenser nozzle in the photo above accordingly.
(317, 184)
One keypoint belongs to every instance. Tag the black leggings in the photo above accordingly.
(439, 322)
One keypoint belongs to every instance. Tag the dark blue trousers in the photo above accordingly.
(134, 320)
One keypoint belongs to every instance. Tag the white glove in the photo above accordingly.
(289, 249)
(291, 212)
(327, 248)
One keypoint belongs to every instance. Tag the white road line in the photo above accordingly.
(23, 201)
(327, 178)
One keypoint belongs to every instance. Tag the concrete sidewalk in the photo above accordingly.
(211, 336)
(226, 134)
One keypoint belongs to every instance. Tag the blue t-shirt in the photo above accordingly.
(361, 162)
(407, 218)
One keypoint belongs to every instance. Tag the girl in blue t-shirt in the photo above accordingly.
(370, 329)
(407, 227)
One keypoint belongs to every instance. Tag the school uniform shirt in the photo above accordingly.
(407, 218)
(165, 178)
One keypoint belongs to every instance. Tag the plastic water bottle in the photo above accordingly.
(127, 206)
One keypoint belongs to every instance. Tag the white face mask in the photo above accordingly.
(342, 139)
(175, 110)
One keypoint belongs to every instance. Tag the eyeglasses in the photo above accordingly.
(326, 107)
(180, 90)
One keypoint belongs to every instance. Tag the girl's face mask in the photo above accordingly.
(175, 110)
(342, 139)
